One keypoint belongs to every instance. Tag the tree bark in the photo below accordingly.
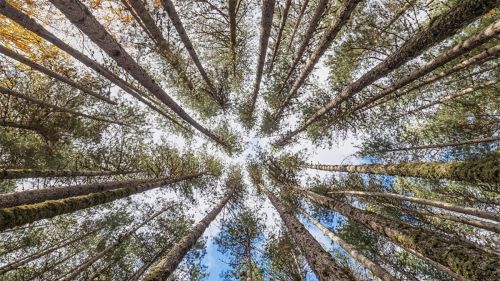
(6, 174)
(9, 92)
(265, 32)
(39, 275)
(167, 264)
(441, 27)
(441, 145)
(82, 18)
(341, 18)
(297, 23)
(442, 205)
(20, 215)
(460, 257)
(248, 253)
(177, 23)
(276, 48)
(232, 12)
(73, 274)
(320, 261)
(376, 269)
(42, 69)
(34, 196)
(22, 261)
(30, 24)
(484, 170)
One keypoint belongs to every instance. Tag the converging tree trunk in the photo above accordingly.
(441, 27)
(460, 257)
(482, 170)
(376, 269)
(265, 32)
(167, 264)
(277, 43)
(36, 173)
(232, 12)
(82, 18)
(320, 261)
(297, 24)
(442, 145)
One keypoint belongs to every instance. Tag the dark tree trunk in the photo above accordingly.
(34, 173)
(276, 48)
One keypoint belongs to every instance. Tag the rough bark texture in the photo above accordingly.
(167, 264)
(22, 261)
(20, 215)
(73, 274)
(434, 203)
(459, 256)
(177, 23)
(276, 48)
(265, 32)
(82, 18)
(445, 99)
(30, 24)
(445, 144)
(376, 269)
(439, 28)
(42, 69)
(34, 196)
(9, 92)
(320, 261)
(341, 18)
(232, 11)
(483, 170)
(34, 173)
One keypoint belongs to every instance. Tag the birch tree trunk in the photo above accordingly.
(320, 261)
(167, 264)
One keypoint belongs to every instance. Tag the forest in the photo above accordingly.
(250, 140)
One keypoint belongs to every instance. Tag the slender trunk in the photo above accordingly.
(34, 196)
(173, 58)
(30, 24)
(167, 264)
(98, 272)
(320, 261)
(280, 34)
(265, 32)
(9, 92)
(22, 261)
(483, 170)
(376, 269)
(341, 18)
(445, 144)
(442, 205)
(73, 274)
(297, 23)
(35, 173)
(136, 275)
(445, 99)
(460, 257)
(44, 132)
(248, 254)
(177, 23)
(82, 18)
(42, 69)
(39, 275)
(20, 215)
(442, 26)
(232, 30)
(395, 267)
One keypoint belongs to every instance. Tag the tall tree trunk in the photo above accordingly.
(22, 261)
(445, 99)
(173, 58)
(37, 128)
(483, 170)
(341, 18)
(396, 268)
(232, 12)
(460, 257)
(34, 196)
(441, 145)
(442, 205)
(9, 92)
(137, 274)
(442, 26)
(42, 69)
(82, 18)
(23, 214)
(35, 173)
(297, 23)
(167, 264)
(73, 274)
(320, 261)
(376, 269)
(39, 275)
(280, 34)
(30, 24)
(248, 254)
(177, 23)
(265, 31)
